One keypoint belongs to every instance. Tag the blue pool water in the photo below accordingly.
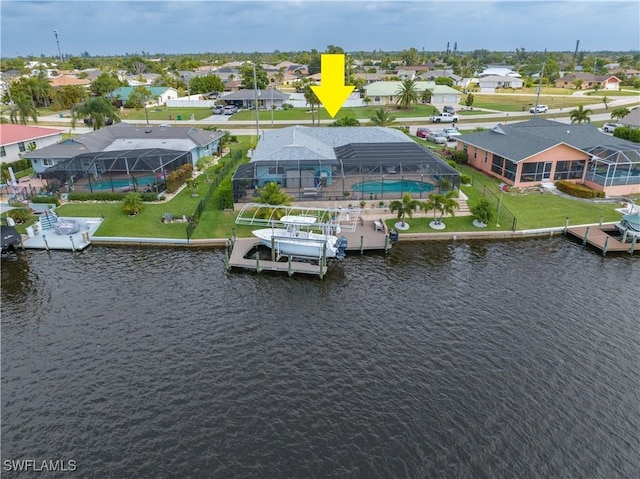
(393, 186)
(120, 183)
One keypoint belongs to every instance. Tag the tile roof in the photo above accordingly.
(10, 134)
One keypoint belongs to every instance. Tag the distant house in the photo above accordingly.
(123, 136)
(161, 94)
(537, 151)
(247, 98)
(386, 92)
(16, 140)
(505, 71)
(589, 81)
(69, 80)
(489, 84)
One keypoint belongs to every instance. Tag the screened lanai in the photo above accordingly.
(614, 165)
(117, 171)
(359, 171)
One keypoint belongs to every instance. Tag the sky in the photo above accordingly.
(120, 27)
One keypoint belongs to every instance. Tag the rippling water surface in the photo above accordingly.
(470, 360)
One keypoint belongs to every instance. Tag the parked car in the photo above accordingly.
(451, 133)
(444, 118)
(422, 132)
(449, 109)
(230, 110)
(437, 137)
(609, 127)
(218, 110)
(539, 109)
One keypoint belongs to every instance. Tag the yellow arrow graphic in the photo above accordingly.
(332, 91)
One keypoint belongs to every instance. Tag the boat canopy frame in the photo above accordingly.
(262, 214)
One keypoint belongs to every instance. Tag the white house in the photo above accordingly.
(488, 84)
(18, 139)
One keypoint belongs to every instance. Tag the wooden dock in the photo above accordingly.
(240, 247)
(602, 237)
(367, 237)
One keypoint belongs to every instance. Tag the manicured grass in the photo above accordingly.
(523, 103)
(361, 113)
(163, 113)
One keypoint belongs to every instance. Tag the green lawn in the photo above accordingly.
(508, 103)
(361, 113)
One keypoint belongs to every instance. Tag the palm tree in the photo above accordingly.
(98, 110)
(619, 113)
(311, 98)
(407, 93)
(22, 109)
(443, 204)
(132, 203)
(272, 194)
(580, 115)
(606, 101)
(406, 207)
(382, 117)
(139, 98)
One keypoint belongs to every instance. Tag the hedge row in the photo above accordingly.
(106, 196)
(45, 199)
(177, 178)
(579, 191)
(627, 133)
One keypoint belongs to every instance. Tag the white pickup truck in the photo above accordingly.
(444, 118)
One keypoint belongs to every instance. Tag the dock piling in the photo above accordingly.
(633, 244)
(586, 235)
(606, 246)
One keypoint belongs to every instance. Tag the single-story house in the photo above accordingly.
(69, 80)
(346, 163)
(589, 81)
(632, 119)
(161, 94)
(124, 136)
(489, 83)
(246, 98)
(386, 92)
(16, 140)
(500, 71)
(538, 151)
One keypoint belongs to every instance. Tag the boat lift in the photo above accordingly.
(332, 220)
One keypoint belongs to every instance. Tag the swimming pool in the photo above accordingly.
(120, 183)
(393, 186)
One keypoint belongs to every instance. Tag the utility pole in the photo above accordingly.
(255, 91)
(55, 32)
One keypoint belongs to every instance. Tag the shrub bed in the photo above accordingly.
(53, 199)
(106, 196)
(579, 191)
(177, 178)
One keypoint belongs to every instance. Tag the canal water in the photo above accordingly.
(515, 359)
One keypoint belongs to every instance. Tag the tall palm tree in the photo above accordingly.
(22, 109)
(580, 115)
(406, 207)
(97, 110)
(311, 98)
(382, 117)
(407, 93)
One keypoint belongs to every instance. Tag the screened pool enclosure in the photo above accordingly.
(117, 171)
(616, 165)
(358, 171)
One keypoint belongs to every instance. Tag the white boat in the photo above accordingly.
(630, 224)
(298, 239)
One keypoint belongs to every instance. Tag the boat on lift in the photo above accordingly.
(629, 224)
(295, 236)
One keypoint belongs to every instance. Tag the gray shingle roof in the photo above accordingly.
(251, 95)
(124, 135)
(519, 141)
